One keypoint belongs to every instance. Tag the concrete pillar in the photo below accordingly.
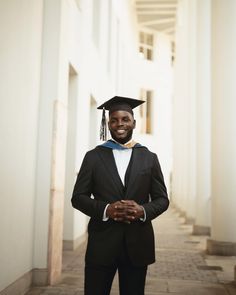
(191, 113)
(223, 233)
(184, 112)
(180, 111)
(203, 118)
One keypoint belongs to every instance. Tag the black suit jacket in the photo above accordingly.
(98, 176)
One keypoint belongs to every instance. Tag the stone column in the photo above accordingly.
(191, 112)
(203, 118)
(181, 111)
(223, 233)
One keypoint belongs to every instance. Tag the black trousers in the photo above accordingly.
(99, 278)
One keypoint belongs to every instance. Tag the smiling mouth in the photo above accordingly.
(120, 131)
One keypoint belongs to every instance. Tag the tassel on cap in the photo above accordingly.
(103, 127)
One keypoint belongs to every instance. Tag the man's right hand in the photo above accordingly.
(116, 211)
(120, 211)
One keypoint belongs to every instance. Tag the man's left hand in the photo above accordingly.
(133, 210)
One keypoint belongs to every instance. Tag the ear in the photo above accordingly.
(134, 124)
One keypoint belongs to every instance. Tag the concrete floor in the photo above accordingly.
(182, 267)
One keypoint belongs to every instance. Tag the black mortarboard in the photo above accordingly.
(116, 103)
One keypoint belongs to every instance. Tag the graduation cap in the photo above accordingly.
(116, 103)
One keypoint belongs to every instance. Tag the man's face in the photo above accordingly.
(121, 125)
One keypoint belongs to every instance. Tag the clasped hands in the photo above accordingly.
(125, 211)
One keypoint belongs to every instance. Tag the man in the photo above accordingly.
(128, 191)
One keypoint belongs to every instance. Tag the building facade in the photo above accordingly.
(59, 60)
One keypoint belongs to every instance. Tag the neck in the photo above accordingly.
(125, 142)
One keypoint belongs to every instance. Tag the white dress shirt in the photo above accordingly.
(122, 158)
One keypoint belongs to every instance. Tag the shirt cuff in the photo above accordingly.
(144, 215)
(105, 218)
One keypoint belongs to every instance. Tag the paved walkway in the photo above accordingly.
(182, 267)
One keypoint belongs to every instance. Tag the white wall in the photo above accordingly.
(20, 58)
(80, 50)
(48, 54)
(157, 77)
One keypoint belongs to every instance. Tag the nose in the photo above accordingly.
(120, 122)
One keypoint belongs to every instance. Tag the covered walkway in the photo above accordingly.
(182, 265)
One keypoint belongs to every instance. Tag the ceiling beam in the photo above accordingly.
(158, 21)
(156, 12)
(168, 30)
(171, 33)
(158, 1)
(166, 6)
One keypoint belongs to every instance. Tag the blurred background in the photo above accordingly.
(59, 60)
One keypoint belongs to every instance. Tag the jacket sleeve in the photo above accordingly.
(159, 201)
(81, 197)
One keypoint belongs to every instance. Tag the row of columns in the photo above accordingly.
(204, 129)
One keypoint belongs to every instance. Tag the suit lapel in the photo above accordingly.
(108, 160)
(136, 166)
